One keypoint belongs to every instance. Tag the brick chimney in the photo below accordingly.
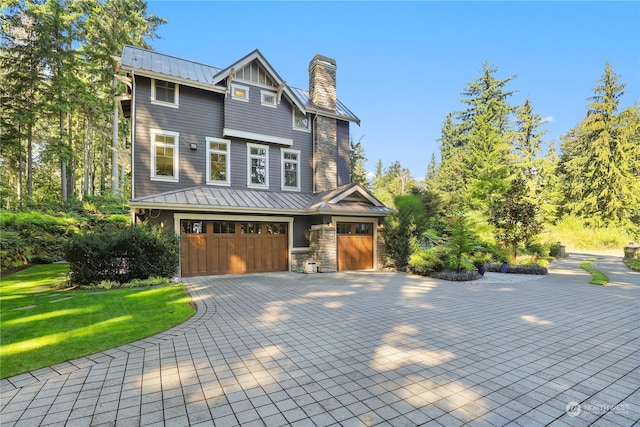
(322, 93)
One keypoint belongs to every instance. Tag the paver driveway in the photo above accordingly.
(365, 348)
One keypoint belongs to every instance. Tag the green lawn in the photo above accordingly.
(599, 278)
(42, 326)
(633, 264)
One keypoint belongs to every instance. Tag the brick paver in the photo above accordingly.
(365, 348)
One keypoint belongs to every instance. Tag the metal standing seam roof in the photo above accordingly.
(159, 63)
(137, 58)
(206, 198)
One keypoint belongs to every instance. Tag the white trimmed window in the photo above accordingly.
(164, 155)
(218, 161)
(268, 98)
(258, 166)
(300, 120)
(165, 93)
(290, 169)
(240, 92)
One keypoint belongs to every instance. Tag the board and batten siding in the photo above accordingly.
(200, 115)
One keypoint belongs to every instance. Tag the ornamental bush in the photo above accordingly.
(120, 256)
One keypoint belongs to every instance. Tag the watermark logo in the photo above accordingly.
(573, 409)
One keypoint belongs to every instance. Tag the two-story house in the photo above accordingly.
(252, 173)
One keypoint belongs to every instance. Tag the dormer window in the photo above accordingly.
(164, 93)
(300, 120)
(241, 93)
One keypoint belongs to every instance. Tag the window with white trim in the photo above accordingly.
(300, 120)
(164, 155)
(290, 169)
(164, 93)
(258, 166)
(240, 92)
(218, 161)
(268, 98)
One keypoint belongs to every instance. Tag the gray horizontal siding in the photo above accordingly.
(199, 115)
(253, 117)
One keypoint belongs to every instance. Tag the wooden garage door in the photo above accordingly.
(224, 247)
(355, 246)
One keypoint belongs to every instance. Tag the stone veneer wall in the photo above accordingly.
(322, 245)
(325, 154)
(299, 259)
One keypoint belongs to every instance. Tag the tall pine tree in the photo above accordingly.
(599, 158)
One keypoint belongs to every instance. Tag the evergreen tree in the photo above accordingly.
(356, 163)
(475, 142)
(396, 181)
(600, 157)
(515, 217)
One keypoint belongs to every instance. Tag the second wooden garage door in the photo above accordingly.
(224, 247)
(355, 246)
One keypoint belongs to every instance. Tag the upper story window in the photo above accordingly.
(258, 166)
(164, 155)
(164, 93)
(218, 161)
(239, 92)
(301, 120)
(290, 169)
(268, 98)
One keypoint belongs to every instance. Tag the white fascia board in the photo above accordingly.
(352, 190)
(209, 209)
(257, 136)
(174, 79)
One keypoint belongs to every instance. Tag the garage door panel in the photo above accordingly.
(355, 246)
(233, 247)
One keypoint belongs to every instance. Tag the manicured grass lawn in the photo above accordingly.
(599, 278)
(41, 326)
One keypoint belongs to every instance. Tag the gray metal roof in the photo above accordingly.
(136, 58)
(341, 109)
(146, 60)
(221, 199)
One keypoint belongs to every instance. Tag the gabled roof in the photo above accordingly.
(350, 199)
(158, 65)
(247, 59)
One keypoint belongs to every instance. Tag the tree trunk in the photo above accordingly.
(30, 161)
(88, 147)
(114, 146)
(63, 161)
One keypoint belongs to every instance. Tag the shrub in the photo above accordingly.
(122, 255)
(403, 230)
(519, 269)
(426, 261)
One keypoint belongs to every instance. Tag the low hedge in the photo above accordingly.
(518, 268)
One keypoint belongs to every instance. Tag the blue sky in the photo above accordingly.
(403, 65)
